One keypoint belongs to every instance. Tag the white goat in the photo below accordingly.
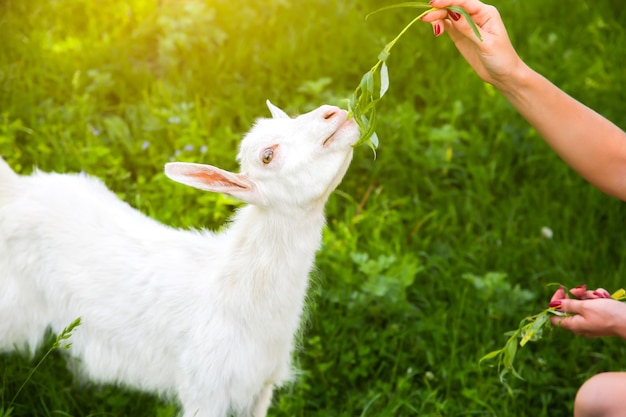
(206, 318)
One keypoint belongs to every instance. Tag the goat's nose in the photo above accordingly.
(330, 113)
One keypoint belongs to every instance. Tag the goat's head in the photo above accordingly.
(284, 161)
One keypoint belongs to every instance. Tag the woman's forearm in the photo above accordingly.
(588, 142)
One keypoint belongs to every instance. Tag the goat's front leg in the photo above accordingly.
(264, 401)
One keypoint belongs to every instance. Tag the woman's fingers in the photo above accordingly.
(582, 293)
(579, 291)
(439, 14)
(438, 27)
(571, 306)
(471, 6)
(559, 294)
(602, 293)
(568, 306)
(486, 18)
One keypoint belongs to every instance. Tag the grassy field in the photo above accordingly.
(433, 250)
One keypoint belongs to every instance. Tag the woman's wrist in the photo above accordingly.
(516, 84)
(619, 320)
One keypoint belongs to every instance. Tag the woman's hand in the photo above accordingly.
(595, 314)
(494, 58)
(588, 142)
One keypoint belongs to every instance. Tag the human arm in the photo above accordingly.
(585, 140)
(595, 314)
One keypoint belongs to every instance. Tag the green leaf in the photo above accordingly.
(509, 354)
(413, 4)
(370, 126)
(367, 126)
(534, 329)
(374, 142)
(490, 355)
(619, 294)
(367, 83)
(368, 107)
(467, 17)
(384, 79)
(351, 102)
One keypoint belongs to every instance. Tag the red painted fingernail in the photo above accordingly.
(437, 29)
(454, 15)
(555, 304)
(602, 294)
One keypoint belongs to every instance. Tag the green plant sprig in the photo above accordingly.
(375, 83)
(60, 342)
(530, 329)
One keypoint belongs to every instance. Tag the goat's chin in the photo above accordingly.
(341, 172)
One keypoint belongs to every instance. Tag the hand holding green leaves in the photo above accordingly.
(531, 328)
(375, 83)
(606, 316)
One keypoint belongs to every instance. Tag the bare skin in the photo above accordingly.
(595, 315)
(588, 142)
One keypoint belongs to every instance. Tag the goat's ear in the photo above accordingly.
(276, 112)
(210, 178)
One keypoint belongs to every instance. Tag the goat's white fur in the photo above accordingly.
(206, 318)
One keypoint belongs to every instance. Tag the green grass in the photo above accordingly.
(433, 250)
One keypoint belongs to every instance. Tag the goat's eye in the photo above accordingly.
(267, 155)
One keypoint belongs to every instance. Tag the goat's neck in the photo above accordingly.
(271, 257)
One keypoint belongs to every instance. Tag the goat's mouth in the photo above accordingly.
(345, 125)
(329, 140)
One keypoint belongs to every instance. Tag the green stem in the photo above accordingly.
(65, 334)
(391, 44)
(361, 106)
(30, 375)
(403, 31)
